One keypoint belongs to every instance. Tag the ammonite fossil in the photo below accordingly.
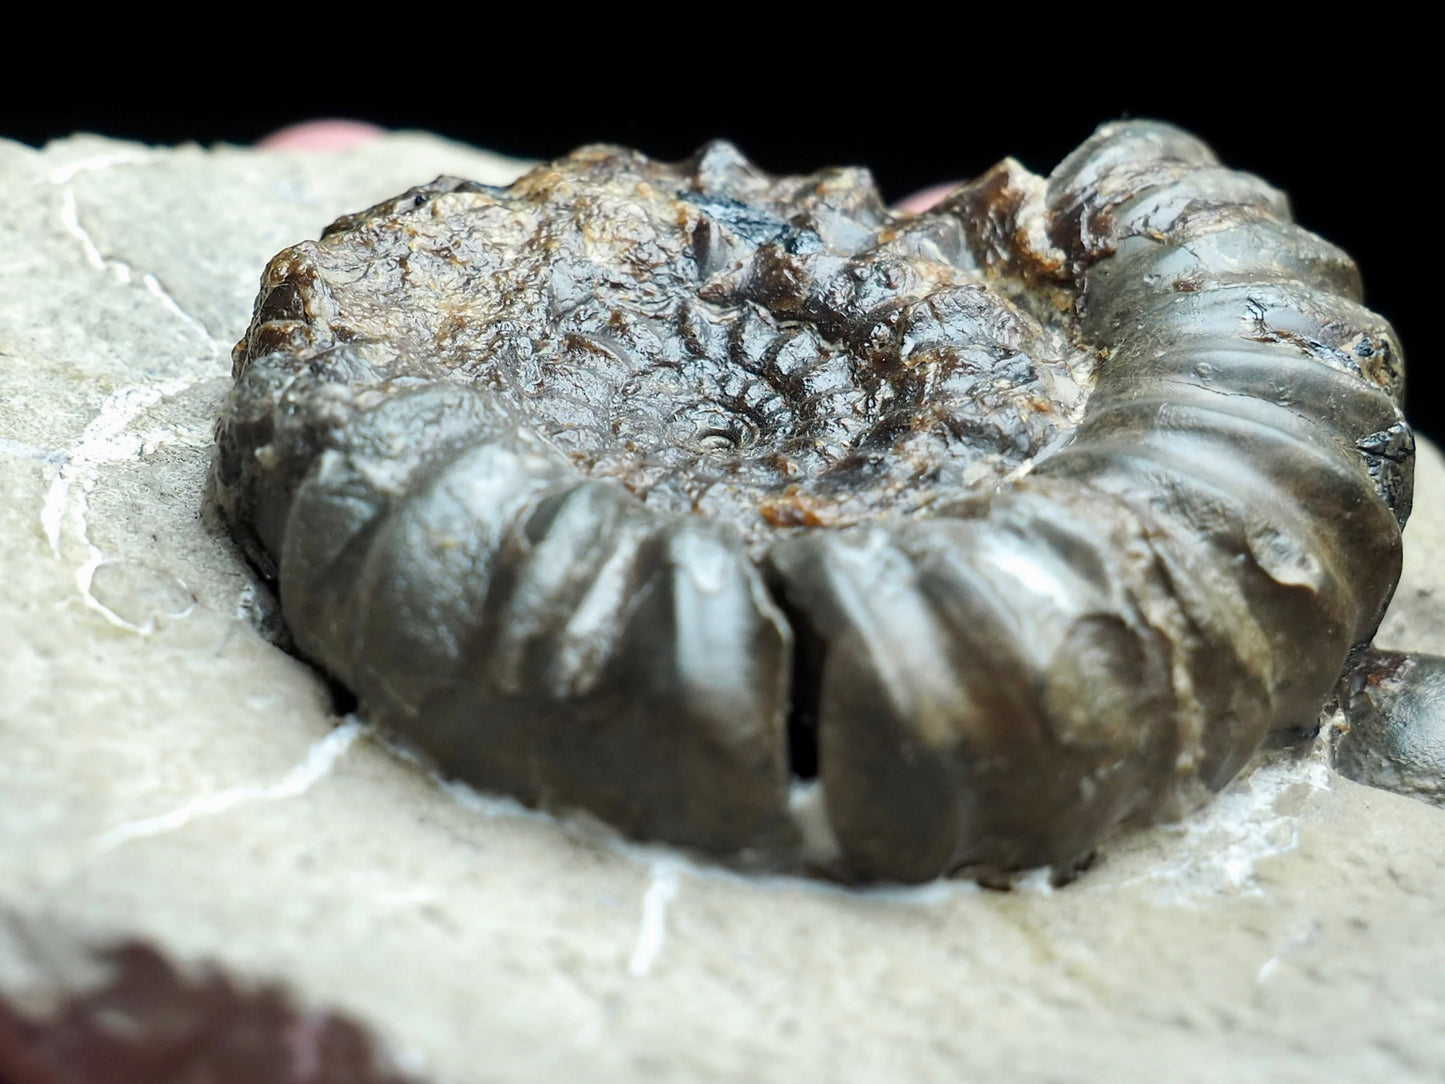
(653, 490)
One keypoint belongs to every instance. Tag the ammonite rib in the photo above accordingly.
(728, 479)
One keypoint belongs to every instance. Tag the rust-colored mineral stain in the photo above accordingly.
(794, 508)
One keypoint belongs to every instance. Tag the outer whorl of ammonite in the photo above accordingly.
(652, 489)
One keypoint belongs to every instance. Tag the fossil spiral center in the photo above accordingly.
(779, 352)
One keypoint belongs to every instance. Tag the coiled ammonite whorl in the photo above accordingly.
(653, 490)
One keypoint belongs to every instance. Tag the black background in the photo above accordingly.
(1336, 122)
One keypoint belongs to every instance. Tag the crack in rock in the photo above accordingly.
(1302, 937)
(126, 273)
(318, 762)
(92, 164)
(104, 440)
(652, 930)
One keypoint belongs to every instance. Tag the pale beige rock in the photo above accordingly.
(168, 774)
(1416, 619)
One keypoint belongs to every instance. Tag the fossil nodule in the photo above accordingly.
(648, 488)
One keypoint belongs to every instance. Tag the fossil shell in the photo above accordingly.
(1395, 740)
(650, 489)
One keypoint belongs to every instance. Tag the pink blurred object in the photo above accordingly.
(922, 200)
(322, 136)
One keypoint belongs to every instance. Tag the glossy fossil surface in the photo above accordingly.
(1395, 706)
(648, 489)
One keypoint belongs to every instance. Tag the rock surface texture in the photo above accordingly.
(173, 779)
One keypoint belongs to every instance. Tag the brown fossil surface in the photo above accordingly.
(654, 489)
(1395, 706)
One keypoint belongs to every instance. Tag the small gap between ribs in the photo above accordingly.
(805, 689)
